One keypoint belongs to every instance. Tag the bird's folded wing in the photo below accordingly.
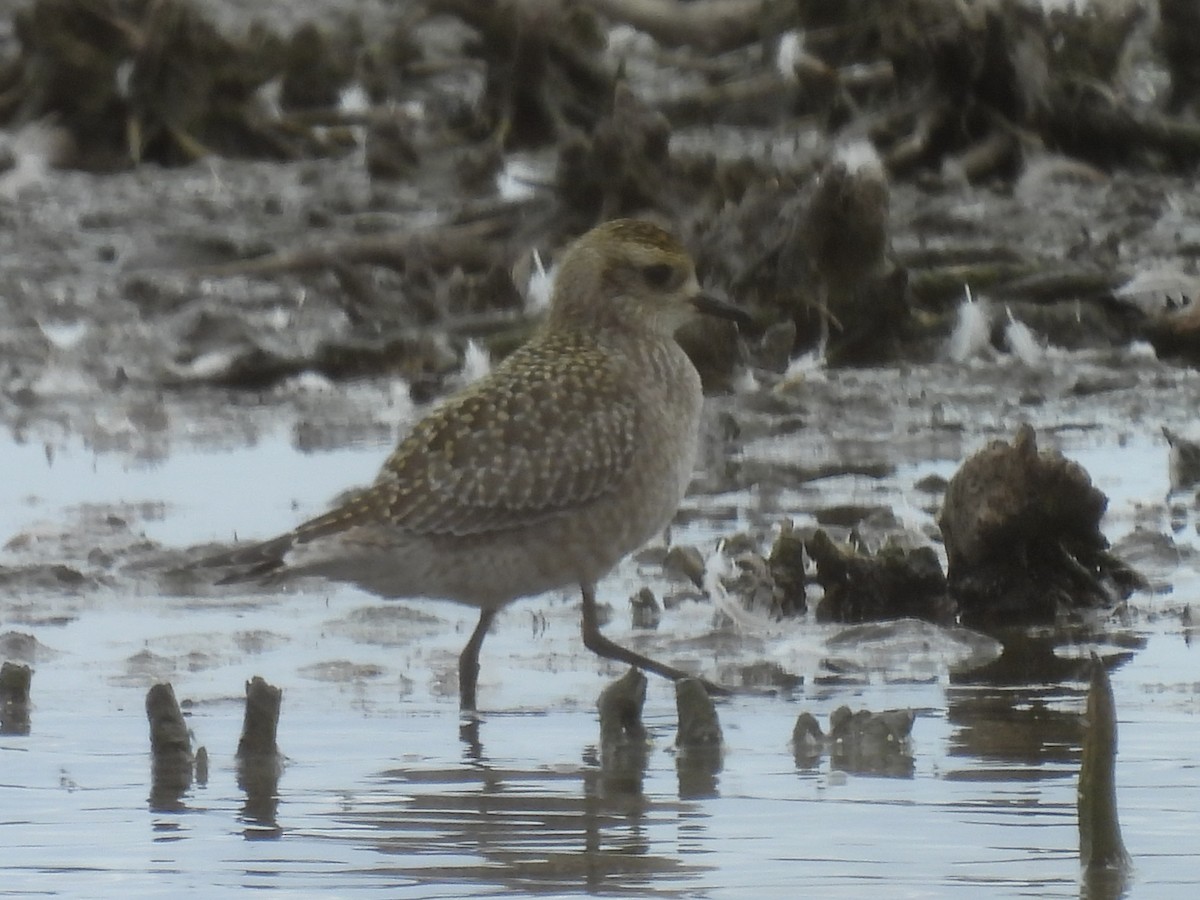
(543, 434)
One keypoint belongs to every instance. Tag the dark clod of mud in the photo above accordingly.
(786, 564)
(773, 584)
(891, 584)
(1023, 539)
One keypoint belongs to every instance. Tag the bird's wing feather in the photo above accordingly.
(544, 433)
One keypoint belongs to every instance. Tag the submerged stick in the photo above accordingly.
(1100, 844)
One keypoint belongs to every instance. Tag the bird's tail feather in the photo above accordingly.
(251, 563)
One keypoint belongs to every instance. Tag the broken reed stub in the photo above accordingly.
(699, 727)
(1100, 843)
(15, 681)
(620, 706)
(261, 721)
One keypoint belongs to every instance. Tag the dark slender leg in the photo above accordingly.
(602, 646)
(468, 660)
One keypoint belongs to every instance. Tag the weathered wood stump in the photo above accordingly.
(698, 741)
(170, 749)
(259, 762)
(15, 680)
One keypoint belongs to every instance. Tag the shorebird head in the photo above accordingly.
(629, 273)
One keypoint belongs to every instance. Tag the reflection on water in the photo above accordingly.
(582, 828)
(384, 797)
(258, 777)
(1019, 715)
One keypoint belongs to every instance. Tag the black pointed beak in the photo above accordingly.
(710, 305)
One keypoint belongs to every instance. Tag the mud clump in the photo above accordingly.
(891, 584)
(863, 742)
(1023, 539)
(774, 584)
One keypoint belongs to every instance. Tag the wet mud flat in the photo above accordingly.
(162, 387)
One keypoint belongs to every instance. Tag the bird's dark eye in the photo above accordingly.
(658, 275)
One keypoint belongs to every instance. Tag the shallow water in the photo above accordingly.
(385, 794)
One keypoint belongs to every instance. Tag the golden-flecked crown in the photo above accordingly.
(627, 273)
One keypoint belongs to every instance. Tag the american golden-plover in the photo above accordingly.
(572, 453)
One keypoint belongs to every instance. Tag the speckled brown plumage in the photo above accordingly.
(573, 452)
(553, 428)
